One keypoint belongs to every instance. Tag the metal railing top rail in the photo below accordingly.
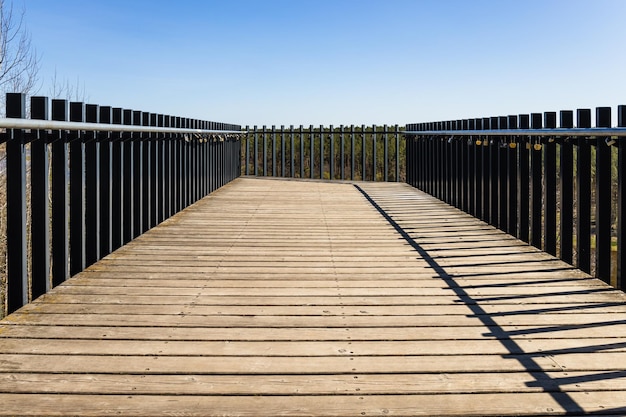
(560, 132)
(34, 124)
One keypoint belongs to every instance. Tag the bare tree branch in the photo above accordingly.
(19, 61)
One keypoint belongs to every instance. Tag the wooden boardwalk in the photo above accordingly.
(277, 297)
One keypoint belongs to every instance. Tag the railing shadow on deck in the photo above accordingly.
(550, 384)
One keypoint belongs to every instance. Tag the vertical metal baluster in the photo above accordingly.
(169, 170)
(550, 186)
(342, 155)
(153, 171)
(256, 151)
(118, 182)
(301, 151)
(470, 169)
(386, 153)
(77, 193)
(567, 192)
(476, 124)
(274, 151)
(494, 176)
(331, 157)
(17, 271)
(60, 197)
(536, 187)
(374, 155)
(92, 188)
(486, 157)
(523, 174)
(106, 185)
(292, 164)
(502, 152)
(603, 198)
(264, 152)
(40, 208)
(312, 153)
(128, 182)
(583, 191)
(322, 159)
(138, 174)
(621, 202)
(512, 153)
(352, 154)
(397, 133)
(247, 151)
(363, 153)
(282, 151)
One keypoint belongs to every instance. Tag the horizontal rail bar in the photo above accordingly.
(102, 127)
(589, 132)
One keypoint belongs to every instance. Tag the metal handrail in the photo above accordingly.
(587, 132)
(8, 123)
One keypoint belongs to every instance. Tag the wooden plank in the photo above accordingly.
(432, 334)
(345, 405)
(362, 384)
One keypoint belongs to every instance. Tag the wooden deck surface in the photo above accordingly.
(277, 297)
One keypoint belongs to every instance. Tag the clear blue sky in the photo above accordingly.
(335, 61)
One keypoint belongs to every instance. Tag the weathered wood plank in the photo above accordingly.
(305, 298)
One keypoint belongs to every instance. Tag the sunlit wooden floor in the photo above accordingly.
(277, 297)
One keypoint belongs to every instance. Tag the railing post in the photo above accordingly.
(470, 169)
(396, 129)
(486, 203)
(292, 164)
(549, 169)
(118, 182)
(374, 156)
(106, 186)
(523, 174)
(386, 153)
(342, 154)
(77, 193)
(17, 272)
(352, 155)
(273, 138)
(40, 208)
(478, 176)
(301, 132)
(168, 154)
(331, 158)
(153, 170)
(503, 169)
(363, 152)
(621, 202)
(256, 151)
(567, 193)
(494, 190)
(60, 198)
(322, 159)
(536, 187)
(603, 198)
(92, 189)
(512, 153)
(139, 176)
(583, 197)
(312, 151)
(128, 181)
(264, 151)
(282, 151)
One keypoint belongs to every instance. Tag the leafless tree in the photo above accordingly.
(19, 61)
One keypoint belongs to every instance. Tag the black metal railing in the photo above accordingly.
(372, 153)
(94, 178)
(561, 189)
